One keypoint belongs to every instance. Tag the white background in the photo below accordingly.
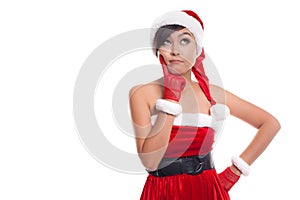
(254, 44)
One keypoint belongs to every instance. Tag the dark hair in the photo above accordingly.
(162, 34)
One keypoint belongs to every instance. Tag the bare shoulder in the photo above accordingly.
(218, 93)
(142, 99)
(146, 95)
(148, 90)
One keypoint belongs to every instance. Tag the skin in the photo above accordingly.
(179, 53)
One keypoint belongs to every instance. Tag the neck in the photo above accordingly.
(188, 76)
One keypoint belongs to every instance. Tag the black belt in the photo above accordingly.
(185, 165)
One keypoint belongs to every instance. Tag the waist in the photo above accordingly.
(188, 141)
(191, 165)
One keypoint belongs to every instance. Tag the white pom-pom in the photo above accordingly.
(219, 111)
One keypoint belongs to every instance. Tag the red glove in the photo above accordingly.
(173, 84)
(201, 77)
(228, 178)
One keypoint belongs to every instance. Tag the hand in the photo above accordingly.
(198, 71)
(173, 84)
(228, 178)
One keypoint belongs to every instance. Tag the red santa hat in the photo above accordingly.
(186, 18)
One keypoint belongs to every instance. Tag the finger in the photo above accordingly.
(183, 84)
(163, 64)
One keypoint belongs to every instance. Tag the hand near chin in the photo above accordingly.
(173, 84)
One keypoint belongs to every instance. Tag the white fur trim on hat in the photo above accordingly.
(183, 19)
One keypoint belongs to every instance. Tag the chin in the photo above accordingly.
(177, 71)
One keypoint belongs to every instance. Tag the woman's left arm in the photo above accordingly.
(266, 124)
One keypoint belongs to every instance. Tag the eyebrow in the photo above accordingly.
(185, 33)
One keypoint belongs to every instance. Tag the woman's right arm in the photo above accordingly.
(151, 140)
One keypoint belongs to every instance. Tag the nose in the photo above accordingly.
(175, 50)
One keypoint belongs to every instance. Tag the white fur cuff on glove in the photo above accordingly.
(168, 107)
(241, 165)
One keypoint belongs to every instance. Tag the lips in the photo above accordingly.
(175, 61)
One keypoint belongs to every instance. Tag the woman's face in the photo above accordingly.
(179, 51)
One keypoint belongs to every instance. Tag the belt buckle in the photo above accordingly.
(198, 166)
(198, 169)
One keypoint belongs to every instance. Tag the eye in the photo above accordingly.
(184, 41)
(167, 42)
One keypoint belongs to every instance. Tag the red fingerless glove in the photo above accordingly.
(173, 84)
(228, 178)
(198, 71)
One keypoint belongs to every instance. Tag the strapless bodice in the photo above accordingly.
(195, 133)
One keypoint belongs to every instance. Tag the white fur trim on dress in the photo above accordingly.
(168, 107)
(241, 165)
(189, 119)
(183, 19)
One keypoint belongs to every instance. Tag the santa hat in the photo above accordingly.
(186, 18)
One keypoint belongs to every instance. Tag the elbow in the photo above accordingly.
(151, 167)
(148, 163)
(272, 124)
(277, 124)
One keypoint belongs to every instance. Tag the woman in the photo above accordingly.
(175, 118)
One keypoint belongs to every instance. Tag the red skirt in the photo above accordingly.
(204, 186)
